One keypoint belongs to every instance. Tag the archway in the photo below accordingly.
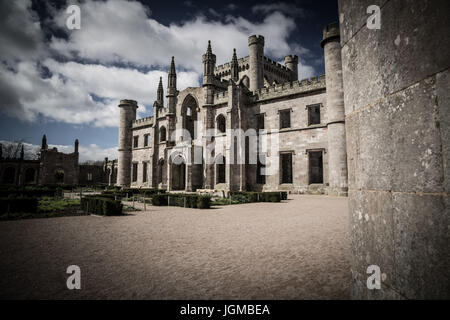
(189, 117)
(178, 172)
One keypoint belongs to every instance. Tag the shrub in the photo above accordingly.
(248, 197)
(18, 205)
(159, 199)
(101, 205)
(204, 202)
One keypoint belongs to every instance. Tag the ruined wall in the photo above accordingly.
(397, 104)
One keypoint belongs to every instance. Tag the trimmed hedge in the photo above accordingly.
(146, 192)
(101, 205)
(182, 200)
(248, 197)
(18, 205)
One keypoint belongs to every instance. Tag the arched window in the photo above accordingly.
(221, 123)
(189, 117)
(162, 134)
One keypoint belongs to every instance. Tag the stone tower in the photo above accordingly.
(127, 116)
(209, 63)
(291, 63)
(397, 105)
(256, 70)
(337, 151)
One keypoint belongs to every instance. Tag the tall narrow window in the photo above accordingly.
(146, 139)
(162, 134)
(135, 141)
(220, 163)
(313, 114)
(259, 122)
(260, 166)
(135, 169)
(89, 177)
(144, 172)
(285, 119)
(286, 167)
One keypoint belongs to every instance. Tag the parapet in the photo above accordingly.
(289, 88)
(254, 39)
(148, 121)
(127, 102)
(330, 32)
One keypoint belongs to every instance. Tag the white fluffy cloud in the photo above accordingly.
(86, 87)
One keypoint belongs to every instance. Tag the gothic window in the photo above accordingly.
(146, 140)
(313, 114)
(285, 119)
(89, 176)
(135, 141)
(221, 123)
(162, 134)
(9, 175)
(286, 167)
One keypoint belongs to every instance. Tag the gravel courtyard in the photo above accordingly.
(297, 249)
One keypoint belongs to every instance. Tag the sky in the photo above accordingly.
(67, 83)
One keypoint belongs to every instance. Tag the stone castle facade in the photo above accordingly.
(188, 142)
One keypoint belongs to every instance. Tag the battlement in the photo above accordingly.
(288, 88)
(142, 122)
(270, 62)
(330, 32)
(256, 39)
(291, 58)
(227, 66)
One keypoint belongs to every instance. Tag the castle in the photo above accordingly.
(54, 167)
(216, 136)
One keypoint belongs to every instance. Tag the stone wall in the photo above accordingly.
(396, 91)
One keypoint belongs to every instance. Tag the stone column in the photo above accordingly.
(397, 104)
(337, 151)
(127, 116)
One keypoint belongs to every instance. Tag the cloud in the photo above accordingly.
(90, 152)
(119, 53)
(286, 8)
(107, 26)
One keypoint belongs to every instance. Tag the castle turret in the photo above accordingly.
(76, 145)
(256, 72)
(160, 93)
(127, 116)
(44, 145)
(234, 67)
(291, 63)
(337, 155)
(172, 88)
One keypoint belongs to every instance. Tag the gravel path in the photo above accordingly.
(298, 249)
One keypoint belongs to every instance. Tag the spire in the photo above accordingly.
(172, 79)
(209, 50)
(44, 143)
(160, 93)
(234, 67)
(22, 153)
(76, 145)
